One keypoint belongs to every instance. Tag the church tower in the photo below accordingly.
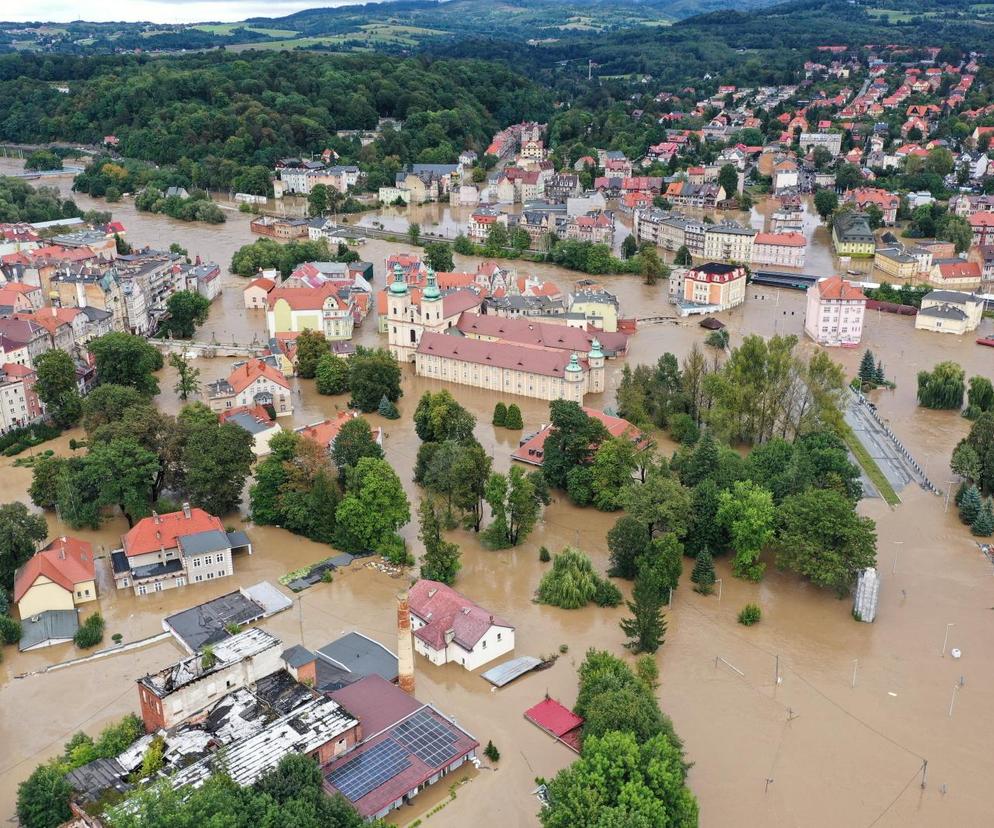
(399, 326)
(595, 359)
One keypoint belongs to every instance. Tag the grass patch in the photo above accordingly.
(870, 466)
(225, 29)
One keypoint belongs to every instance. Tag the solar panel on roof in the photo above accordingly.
(369, 770)
(427, 738)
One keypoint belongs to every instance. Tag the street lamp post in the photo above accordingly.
(949, 485)
(718, 582)
(945, 639)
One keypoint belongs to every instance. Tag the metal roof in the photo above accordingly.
(212, 540)
(510, 670)
(49, 627)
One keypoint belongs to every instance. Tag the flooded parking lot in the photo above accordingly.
(812, 751)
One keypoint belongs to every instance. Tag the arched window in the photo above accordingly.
(413, 337)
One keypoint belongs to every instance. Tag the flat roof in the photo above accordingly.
(361, 655)
(205, 623)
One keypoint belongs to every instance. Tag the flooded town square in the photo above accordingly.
(808, 719)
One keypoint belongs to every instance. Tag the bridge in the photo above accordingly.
(780, 279)
(209, 350)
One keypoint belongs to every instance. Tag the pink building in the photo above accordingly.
(834, 313)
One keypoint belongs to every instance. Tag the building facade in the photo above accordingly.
(834, 312)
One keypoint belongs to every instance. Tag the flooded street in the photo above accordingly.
(813, 751)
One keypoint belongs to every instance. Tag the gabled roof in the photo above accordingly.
(248, 372)
(162, 531)
(443, 609)
(837, 288)
(66, 561)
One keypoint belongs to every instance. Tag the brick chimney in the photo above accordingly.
(405, 645)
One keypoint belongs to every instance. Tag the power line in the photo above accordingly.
(893, 802)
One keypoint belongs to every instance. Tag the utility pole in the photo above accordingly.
(855, 666)
(718, 582)
(924, 773)
(945, 640)
(590, 69)
(952, 701)
(300, 617)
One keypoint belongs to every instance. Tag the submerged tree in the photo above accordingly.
(943, 387)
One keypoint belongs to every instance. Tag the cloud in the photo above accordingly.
(158, 11)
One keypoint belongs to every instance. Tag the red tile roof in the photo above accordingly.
(782, 239)
(161, 531)
(262, 282)
(553, 717)
(256, 411)
(325, 432)
(375, 702)
(305, 298)
(960, 270)
(66, 561)
(541, 334)
(835, 287)
(550, 362)
(247, 373)
(532, 451)
(443, 609)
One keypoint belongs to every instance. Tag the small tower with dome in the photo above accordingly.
(595, 359)
(575, 381)
(399, 327)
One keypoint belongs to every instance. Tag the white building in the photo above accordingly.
(834, 312)
(448, 627)
(950, 311)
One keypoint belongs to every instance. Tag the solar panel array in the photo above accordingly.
(369, 770)
(427, 738)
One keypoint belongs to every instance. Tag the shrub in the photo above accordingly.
(500, 414)
(607, 594)
(543, 554)
(491, 752)
(572, 583)
(327, 577)
(91, 632)
(513, 420)
(117, 638)
(750, 615)
(387, 409)
(684, 430)
(10, 630)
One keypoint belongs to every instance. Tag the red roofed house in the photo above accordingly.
(785, 249)
(885, 201)
(324, 432)
(558, 721)
(251, 383)
(532, 449)
(59, 576)
(19, 403)
(257, 291)
(166, 551)
(955, 274)
(327, 308)
(982, 224)
(834, 312)
(448, 627)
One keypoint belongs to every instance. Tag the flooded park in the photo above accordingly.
(808, 718)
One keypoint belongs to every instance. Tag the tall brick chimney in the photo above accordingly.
(405, 645)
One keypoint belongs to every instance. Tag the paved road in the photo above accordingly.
(881, 448)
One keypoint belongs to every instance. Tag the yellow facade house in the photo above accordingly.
(58, 577)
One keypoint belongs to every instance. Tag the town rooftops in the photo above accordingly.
(163, 531)
(532, 450)
(781, 239)
(324, 432)
(358, 656)
(231, 650)
(542, 334)
(410, 742)
(838, 289)
(248, 372)
(302, 730)
(253, 418)
(946, 311)
(444, 610)
(66, 561)
(550, 362)
(206, 623)
(952, 296)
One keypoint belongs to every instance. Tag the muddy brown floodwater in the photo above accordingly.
(811, 751)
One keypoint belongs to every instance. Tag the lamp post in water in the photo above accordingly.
(945, 640)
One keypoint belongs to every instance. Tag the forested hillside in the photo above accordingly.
(220, 111)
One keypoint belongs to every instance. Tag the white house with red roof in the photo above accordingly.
(256, 293)
(783, 249)
(19, 403)
(251, 383)
(172, 550)
(325, 432)
(60, 576)
(448, 627)
(834, 312)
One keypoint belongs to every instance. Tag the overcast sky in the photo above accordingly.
(158, 11)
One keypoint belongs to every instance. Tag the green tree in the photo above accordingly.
(619, 781)
(939, 161)
(42, 159)
(629, 247)
(627, 542)
(820, 536)
(468, 475)
(414, 233)
(43, 799)
(965, 462)
(572, 441)
(497, 240)
(331, 375)
(10, 629)
(127, 360)
(463, 245)
(519, 239)
(515, 506)
(728, 179)
(611, 472)
(571, 583)
(187, 377)
(311, 347)
(107, 404)
(500, 415)
(513, 420)
(439, 417)
(439, 257)
(969, 505)
(660, 504)
(867, 368)
(45, 475)
(980, 397)
(826, 203)
(440, 561)
(185, 311)
(703, 575)
(983, 524)
(217, 460)
(683, 257)
(90, 632)
(387, 409)
(56, 387)
(651, 267)
(955, 229)
(943, 387)
(354, 441)
(747, 513)
(646, 629)
(373, 509)
(126, 472)
(20, 534)
(317, 200)
(373, 373)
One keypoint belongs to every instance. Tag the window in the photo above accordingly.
(498, 636)
(219, 558)
(142, 589)
(158, 586)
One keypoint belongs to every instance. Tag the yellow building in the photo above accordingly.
(58, 577)
(852, 236)
(896, 263)
(599, 308)
(296, 309)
